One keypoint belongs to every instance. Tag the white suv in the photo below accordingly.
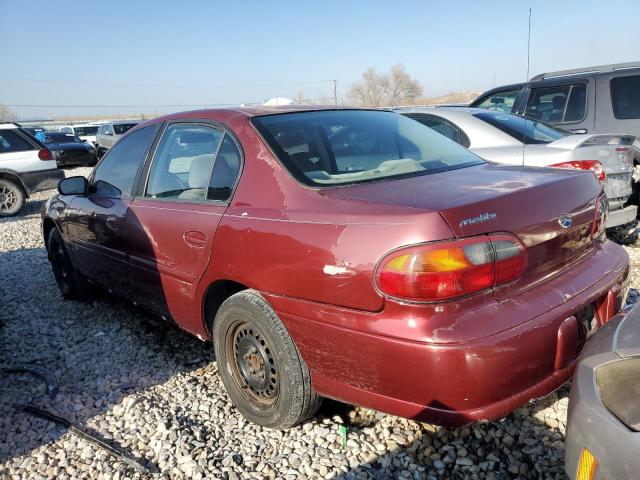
(85, 132)
(26, 166)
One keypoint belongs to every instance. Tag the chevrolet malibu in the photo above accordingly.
(350, 254)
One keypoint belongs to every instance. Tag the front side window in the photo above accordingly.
(85, 131)
(12, 142)
(335, 147)
(501, 101)
(557, 104)
(115, 174)
(524, 130)
(182, 165)
(625, 97)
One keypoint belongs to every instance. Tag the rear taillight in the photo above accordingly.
(600, 220)
(446, 270)
(45, 154)
(624, 155)
(594, 165)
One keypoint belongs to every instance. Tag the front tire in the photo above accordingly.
(259, 364)
(11, 197)
(72, 284)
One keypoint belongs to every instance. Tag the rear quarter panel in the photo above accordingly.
(285, 239)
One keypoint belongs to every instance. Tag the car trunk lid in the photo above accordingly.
(489, 198)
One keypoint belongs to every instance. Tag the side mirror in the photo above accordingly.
(73, 186)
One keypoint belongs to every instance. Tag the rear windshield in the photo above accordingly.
(523, 129)
(123, 128)
(337, 147)
(61, 138)
(82, 131)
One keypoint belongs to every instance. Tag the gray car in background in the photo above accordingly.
(510, 139)
(109, 133)
(603, 426)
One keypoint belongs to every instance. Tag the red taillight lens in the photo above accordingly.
(446, 270)
(600, 220)
(45, 154)
(594, 165)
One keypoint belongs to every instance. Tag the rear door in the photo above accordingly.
(95, 222)
(170, 226)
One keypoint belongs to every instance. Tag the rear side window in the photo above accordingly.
(557, 104)
(182, 166)
(501, 101)
(524, 130)
(11, 141)
(443, 127)
(194, 163)
(625, 97)
(116, 173)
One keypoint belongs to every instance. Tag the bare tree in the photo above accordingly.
(6, 115)
(385, 89)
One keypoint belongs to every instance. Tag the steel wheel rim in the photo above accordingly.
(253, 364)
(8, 198)
(59, 262)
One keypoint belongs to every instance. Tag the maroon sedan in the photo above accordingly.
(350, 254)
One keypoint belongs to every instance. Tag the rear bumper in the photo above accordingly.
(622, 216)
(41, 179)
(413, 372)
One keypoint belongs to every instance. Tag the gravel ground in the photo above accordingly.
(153, 392)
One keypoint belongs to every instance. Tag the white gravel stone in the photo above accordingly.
(153, 391)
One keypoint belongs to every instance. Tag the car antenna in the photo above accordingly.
(526, 80)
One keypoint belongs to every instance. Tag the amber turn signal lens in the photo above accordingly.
(587, 466)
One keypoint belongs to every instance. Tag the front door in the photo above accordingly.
(96, 221)
(171, 226)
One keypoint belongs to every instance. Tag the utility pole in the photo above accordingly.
(335, 92)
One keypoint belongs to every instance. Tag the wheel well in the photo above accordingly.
(47, 226)
(217, 293)
(15, 179)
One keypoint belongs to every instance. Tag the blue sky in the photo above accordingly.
(134, 53)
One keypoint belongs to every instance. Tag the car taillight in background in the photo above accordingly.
(624, 155)
(45, 154)
(446, 270)
(600, 220)
(594, 165)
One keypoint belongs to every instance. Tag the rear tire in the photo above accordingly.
(11, 197)
(259, 364)
(72, 284)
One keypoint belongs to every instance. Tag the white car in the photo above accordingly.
(85, 132)
(505, 138)
(26, 166)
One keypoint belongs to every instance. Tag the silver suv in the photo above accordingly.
(109, 133)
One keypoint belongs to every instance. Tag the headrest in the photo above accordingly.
(199, 171)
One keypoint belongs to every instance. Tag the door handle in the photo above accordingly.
(112, 222)
(578, 130)
(195, 239)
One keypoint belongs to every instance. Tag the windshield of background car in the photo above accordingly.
(123, 128)
(61, 138)
(82, 131)
(337, 147)
(524, 130)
